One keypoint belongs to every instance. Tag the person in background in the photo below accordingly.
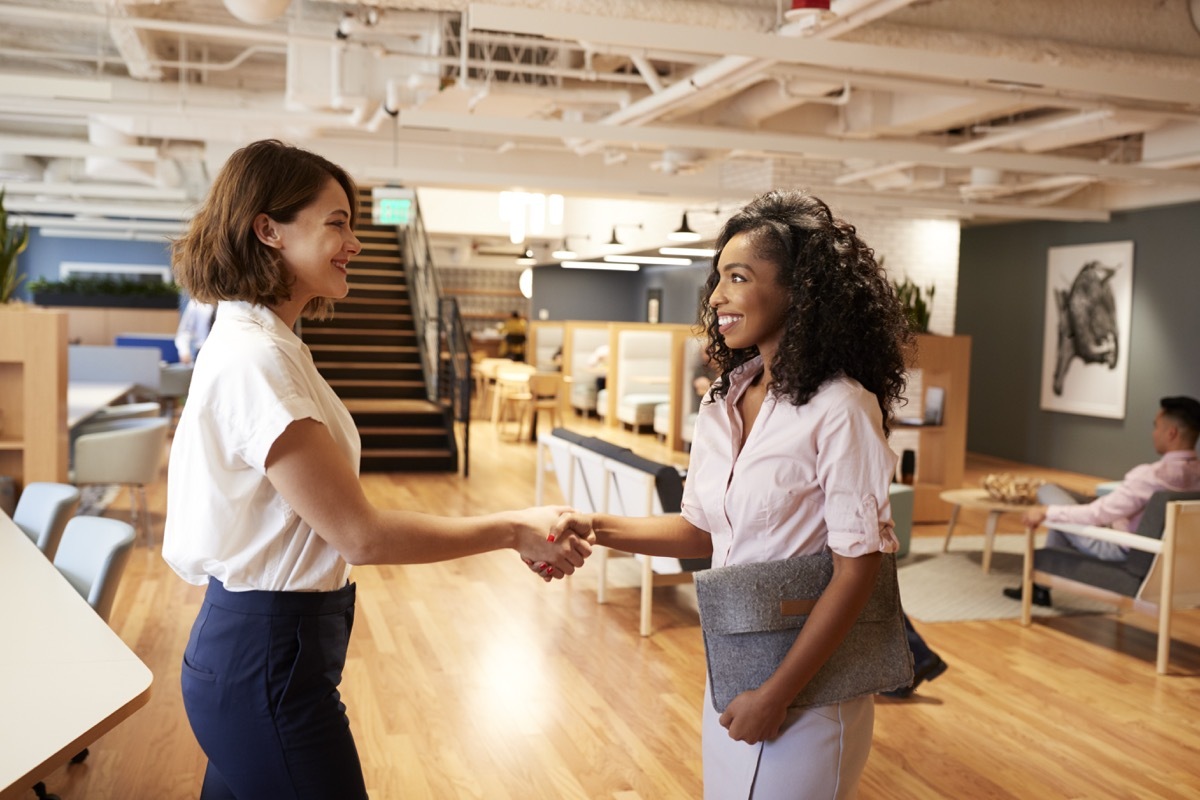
(1174, 434)
(512, 337)
(807, 339)
(264, 505)
(194, 324)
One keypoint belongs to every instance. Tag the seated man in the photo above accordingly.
(1176, 429)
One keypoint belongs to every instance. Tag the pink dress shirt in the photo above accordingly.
(1176, 471)
(808, 476)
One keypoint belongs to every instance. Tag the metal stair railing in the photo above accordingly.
(441, 337)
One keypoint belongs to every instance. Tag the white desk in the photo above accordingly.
(85, 398)
(65, 678)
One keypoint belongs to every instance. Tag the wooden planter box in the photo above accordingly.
(105, 300)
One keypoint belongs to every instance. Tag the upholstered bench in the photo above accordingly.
(637, 409)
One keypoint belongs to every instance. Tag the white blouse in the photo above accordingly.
(808, 475)
(253, 378)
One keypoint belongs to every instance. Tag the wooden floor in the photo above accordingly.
(473, 679)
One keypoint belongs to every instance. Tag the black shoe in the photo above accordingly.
(926, 671)
(1041, 594)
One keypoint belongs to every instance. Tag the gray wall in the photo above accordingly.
(1001, 300)
(44, 253)
(586, 294)
(681, 287)
(599, 295)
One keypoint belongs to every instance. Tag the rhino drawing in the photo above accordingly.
(1087, 321)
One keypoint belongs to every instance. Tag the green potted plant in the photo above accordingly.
(917, 302)
(12, 242)
(104, 292)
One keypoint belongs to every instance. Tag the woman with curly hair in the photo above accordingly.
(789, 458)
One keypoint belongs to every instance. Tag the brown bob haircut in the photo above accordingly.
(220, 256)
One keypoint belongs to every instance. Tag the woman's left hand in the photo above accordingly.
(753, 717)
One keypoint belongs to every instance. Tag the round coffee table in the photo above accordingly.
(979, 498)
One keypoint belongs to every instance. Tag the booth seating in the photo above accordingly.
(598, 476)
(1160, 574)
(662, 423)
(584, 395)
(642, 367)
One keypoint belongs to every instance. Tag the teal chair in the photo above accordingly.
(902, 515)
(42, 513)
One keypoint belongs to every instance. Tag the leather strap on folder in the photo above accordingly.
(796, 608)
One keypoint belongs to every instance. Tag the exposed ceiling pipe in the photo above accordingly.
(257, 12)
(191, 66)
(647, 71)
(136, 51)
(722, 73)
(1015, 133)
(59, 17)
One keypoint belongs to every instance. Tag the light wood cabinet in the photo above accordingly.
(33, 394)
(944, 361)
(103, 325)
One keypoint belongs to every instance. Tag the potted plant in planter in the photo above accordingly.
(104, 292)
(12, 242)
(917, 302)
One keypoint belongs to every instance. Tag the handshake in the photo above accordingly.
(554, 540)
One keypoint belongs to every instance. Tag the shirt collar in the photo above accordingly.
(1179, 455)
(259, 315)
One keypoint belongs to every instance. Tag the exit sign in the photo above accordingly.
(391, 206)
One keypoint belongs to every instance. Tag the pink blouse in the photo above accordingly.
(808, 476)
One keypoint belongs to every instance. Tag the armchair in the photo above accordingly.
(1161, 574)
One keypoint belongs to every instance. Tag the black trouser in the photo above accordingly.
(260, 686)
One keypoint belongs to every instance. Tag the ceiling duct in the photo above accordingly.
(102, 134)
(257, 12)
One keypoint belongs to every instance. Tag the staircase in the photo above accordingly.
(368, 353)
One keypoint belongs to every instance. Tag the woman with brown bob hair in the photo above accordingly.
(264, 505)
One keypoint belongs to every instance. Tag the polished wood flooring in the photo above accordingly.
(473, 679)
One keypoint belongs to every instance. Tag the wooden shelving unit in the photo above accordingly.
(944, 361)
(33, 394)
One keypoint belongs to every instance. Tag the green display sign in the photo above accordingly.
(392, 210)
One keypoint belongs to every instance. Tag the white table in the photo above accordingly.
(979, 499)
(85, 398)
(65, 678)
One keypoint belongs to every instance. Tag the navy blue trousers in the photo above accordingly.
(260, 686)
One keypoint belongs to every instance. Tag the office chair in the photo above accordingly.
(42, 512)
(92, 557)
(127, 452)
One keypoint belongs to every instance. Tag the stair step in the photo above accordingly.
(380, 337)
(355, 298)
(401, 430)
(373, 374)
(371, 286)
(358, 382)
(394, 279)
(395, 452)
(411, 461)
(397, 349)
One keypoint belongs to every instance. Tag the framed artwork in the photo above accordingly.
(1085, 347)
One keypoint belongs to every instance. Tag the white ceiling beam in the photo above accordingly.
(45, 88)
(798, 145)
(73, 148)
(852, 57)
(105, 191)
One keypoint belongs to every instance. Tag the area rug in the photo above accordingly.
(94, 499)
(951, 587)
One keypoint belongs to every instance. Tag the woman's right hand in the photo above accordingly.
(549, 553)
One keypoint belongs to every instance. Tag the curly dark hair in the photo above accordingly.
(844, 317)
